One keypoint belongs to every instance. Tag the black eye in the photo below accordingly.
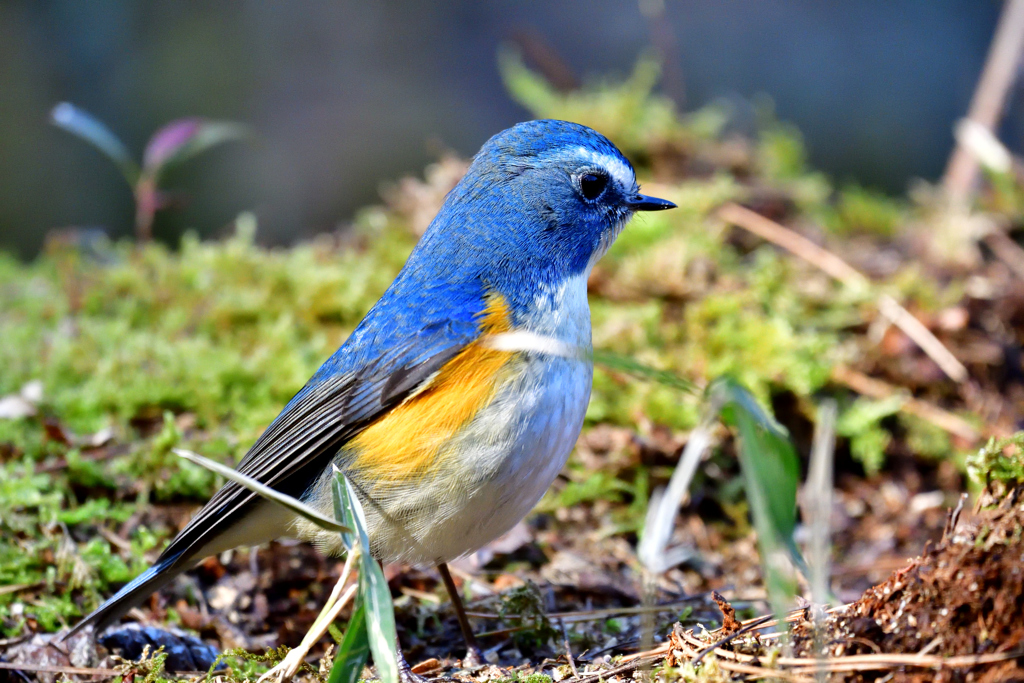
(592, 185)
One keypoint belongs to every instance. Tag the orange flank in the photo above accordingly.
(404, 443)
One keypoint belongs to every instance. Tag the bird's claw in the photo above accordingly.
(474, 658)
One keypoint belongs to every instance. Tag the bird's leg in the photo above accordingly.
(474, 657)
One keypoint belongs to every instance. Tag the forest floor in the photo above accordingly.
(115, 354)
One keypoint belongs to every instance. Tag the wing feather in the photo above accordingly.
(313, 427)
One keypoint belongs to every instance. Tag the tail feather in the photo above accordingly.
(133, 593)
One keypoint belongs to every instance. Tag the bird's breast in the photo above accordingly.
(484, 385)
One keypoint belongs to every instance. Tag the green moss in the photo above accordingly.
(628, 111)
(519, 677)
(524, 607)
(860, 210)
(999, 460)
(205, 344)
(861, 422)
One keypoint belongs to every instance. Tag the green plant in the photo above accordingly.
(375, 632)
(525, 607)
(770, 476)
(173, 144)
(999, 460)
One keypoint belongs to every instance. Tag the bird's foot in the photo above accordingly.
(405, 672)
(474, 658)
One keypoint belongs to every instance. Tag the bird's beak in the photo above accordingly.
(644, 203)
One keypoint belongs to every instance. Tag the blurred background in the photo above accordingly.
(346, 96)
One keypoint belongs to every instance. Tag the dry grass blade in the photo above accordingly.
(17, 588)
(629, 667)
(818, 499)
(685, 646)
(337, 601)
(840, 270)
(884, 661)
(989, 98)
(794, 243)
(653, 549)
(731, 637)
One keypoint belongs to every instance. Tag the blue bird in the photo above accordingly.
(457, 400)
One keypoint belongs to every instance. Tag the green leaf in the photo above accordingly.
(286, 501)
(770, 468)
(84, 125)
(770, 474)
(354, 649)
(373, 587)
(344, 511)
(625, 364)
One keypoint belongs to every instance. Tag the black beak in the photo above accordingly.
(644, 203)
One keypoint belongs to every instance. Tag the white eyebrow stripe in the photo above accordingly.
(619, 171)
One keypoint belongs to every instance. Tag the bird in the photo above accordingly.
(457, 400)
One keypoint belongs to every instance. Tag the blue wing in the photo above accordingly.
(394, 350)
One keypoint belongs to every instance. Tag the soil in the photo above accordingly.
(962, 596)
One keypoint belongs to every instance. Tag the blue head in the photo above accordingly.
(542, 201)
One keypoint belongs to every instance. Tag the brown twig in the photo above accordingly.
(626, 668)
(875, 388)
(724, 640)
(839, 269)
(572, 662)
(106, 453)
(729, 623)
(594, 614)
(795, 243)
(986, 109)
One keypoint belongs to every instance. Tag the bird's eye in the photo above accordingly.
(592, 185)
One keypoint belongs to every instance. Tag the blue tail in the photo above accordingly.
(149, 581)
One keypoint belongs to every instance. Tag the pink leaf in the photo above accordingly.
(169, 140)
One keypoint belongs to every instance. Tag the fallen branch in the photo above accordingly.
(839, 269)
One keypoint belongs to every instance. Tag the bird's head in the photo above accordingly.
(542, 200)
